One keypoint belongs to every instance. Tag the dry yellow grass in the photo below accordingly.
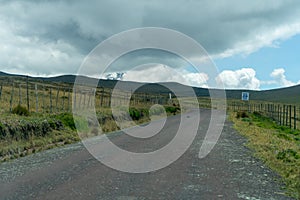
(268, 145)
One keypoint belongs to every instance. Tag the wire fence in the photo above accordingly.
(283, 114)
(42, 97)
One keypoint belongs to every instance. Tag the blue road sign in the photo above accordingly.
(245, 96)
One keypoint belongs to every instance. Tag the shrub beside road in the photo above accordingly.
(23, 134)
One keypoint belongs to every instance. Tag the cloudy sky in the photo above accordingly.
(254, 45)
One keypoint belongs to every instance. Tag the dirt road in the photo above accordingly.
(70, 172)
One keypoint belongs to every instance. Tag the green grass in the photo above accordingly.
(22, 135)
(67, 119)
(11, 149)
(277, 146)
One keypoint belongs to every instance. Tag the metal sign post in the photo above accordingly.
(246, 97)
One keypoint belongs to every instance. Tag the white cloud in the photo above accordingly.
(279, 79)
(267, 38)
(244, 78)
(162, 73)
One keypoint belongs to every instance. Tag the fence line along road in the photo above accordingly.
(283, 114)
(42, 97)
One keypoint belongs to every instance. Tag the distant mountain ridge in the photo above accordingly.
(285, 95)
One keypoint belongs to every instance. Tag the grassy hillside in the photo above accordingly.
(290, 95)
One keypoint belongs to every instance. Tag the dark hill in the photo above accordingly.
(284, 95)
(287, 95)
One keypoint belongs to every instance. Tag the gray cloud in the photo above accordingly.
(52, 37)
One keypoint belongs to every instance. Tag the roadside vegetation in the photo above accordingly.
(37, 115)
(277, 146)
(23, 133)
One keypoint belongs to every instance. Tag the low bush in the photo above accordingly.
(20, 110)
(288, 155)
(156, 111)
(172, 109)
(17, 130)
(135, 114)
(81, 124)
(242, 114)
(67, 120)
(138, 113)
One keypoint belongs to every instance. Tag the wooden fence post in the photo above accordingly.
(283, 115)
(280, 115)
(43, 97)
(20, 95)
(36, 98)
(109, 98)
(1, 91)
(75, 98)
(290, 111)
(57, 95)
(295, 117)
(69, 100)
(80, 98)
(63, 99)
(277, 113)
(101, 97)
(93, 103)
(272, 111)
(50, 100)
(11, 96)
(27, 94)
(287, 115)
(89, 99)
(84, 98)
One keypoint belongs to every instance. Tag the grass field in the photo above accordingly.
(277, 146)
(49, 122)
(47, 97)
(22, 135)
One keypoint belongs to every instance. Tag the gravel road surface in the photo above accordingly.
(70, 172)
